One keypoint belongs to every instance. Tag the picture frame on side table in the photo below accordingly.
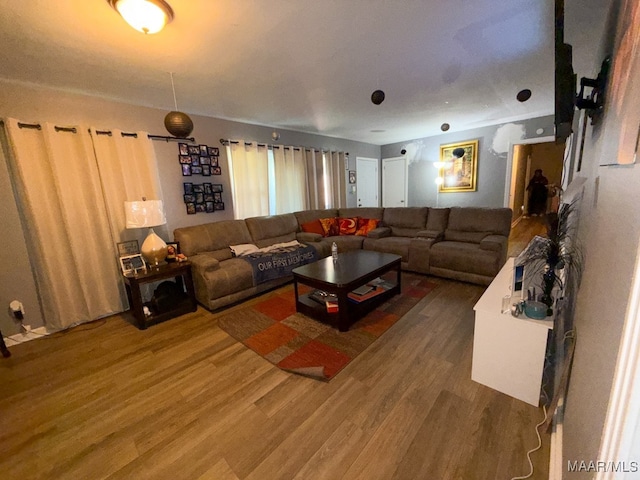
(130, 247)
(459, 172)
(130, 264)
(173, 249)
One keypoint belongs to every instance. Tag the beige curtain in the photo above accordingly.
(290, 172)
(326, 179)
(70, 240)
(339, 179)
(315, 185)
(129, 172)
(249, 171)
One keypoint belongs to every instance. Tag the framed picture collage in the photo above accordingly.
(203, 197)
(201, 160)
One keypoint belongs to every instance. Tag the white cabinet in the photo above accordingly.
(508, 352)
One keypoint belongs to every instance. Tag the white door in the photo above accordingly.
(394, 182)
(367, 182)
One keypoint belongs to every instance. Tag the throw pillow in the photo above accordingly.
(348, 226)
(314, 226)
(365, 225)
(330, 226)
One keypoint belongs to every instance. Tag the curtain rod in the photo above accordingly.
(236, 142)
(152, 137)
(166, 138)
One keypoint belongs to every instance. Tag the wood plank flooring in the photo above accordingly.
(183, 400)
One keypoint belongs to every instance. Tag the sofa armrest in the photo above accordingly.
(204, 263)
(496, 243)
(435, 234)
(379, 232)
(306, 237)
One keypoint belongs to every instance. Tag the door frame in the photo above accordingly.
(509, 169)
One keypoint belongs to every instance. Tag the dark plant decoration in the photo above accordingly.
(559, 251)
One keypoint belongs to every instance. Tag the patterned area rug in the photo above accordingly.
(299, 344)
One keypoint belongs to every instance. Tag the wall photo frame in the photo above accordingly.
(460, 167)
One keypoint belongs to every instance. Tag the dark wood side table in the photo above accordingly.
(181, 271)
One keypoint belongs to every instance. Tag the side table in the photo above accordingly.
(181, 271)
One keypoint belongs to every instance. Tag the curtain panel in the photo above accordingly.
(290, 172)
(70, 189)
(248, 168)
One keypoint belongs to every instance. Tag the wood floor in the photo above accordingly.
(183, 400)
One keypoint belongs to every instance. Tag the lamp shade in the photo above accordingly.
(149, 213)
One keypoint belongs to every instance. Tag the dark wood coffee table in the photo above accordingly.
(352, 270)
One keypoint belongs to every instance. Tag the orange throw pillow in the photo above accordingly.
(314, 226)
(348, 226)
(330, 226)
(365, 225)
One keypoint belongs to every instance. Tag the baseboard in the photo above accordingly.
(26, 336)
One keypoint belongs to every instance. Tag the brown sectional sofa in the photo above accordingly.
(467, 244)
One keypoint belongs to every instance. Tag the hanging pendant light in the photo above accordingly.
(146, 16)
(177, 123)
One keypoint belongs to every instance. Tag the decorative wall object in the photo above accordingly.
(202, 197)
(459, 167)
(200, 160)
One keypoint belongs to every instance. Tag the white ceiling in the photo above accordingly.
(305, 65)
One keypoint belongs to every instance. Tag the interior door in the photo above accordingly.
(367, 182)
(394, 182)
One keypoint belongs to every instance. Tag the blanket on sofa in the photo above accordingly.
(278, 262)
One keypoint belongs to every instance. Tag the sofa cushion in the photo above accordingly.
(266, 231)
(330, 226)
(437, 219)
(348, 226)
(214, 238)
(344, 242)
(470, 219)
(366, 225)
(365, 212)
(405, 221)
(464, 257)
(313, 226)
(395, 245)
(305, 216)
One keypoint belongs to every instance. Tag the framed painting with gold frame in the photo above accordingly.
(459, 169)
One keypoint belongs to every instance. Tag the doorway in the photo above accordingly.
(524, 159)
(394, 182)
(367, 183)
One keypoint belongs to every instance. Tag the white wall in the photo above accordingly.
(610, 234)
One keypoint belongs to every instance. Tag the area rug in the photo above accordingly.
(299, 344)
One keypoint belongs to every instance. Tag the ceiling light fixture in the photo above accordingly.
(178, 124)
(146, 16)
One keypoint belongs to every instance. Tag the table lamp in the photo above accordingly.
(148, 213)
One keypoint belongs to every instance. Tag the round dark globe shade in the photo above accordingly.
(444, 127)
(377, 97)
(178, 124)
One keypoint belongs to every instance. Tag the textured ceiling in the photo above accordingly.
(304, 65)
